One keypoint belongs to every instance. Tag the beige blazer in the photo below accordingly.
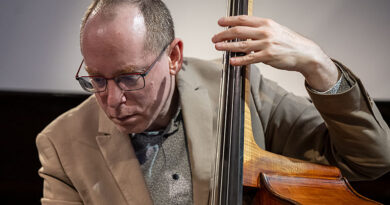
(86, 160)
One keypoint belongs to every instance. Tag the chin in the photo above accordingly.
(130, 129)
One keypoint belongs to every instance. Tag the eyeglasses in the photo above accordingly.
(126, 82)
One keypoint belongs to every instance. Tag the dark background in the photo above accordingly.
(25, 114)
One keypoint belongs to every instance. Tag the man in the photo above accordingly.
(147, 134)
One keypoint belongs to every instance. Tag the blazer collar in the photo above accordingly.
(119, 156)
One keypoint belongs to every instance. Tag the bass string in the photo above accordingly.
(233, 9)
(226, 72)
(230, 98)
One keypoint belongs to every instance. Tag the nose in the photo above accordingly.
(114, 94)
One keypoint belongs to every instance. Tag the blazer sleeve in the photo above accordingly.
(57, 188)
(345, 129)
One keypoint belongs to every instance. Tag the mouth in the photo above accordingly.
(122, 119)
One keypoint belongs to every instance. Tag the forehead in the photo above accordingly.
(115, 40)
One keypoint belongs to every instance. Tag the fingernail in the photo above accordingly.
(221, 20)
(213, 39)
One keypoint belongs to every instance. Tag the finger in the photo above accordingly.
(243, 46)
(241, 32)
(244, 20)
(251, 58)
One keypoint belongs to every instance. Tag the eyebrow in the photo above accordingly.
(127, 69)
(131, 69)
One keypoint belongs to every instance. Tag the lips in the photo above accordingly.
(121, 119)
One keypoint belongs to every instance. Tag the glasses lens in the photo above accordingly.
(130, 82)
(92, 84)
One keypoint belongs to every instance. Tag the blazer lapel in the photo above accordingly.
(198, 124)
(120, 158)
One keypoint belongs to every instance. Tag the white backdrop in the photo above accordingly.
(40, 39)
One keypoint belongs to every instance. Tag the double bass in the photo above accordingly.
(242, 167)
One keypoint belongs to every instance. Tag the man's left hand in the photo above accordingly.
(277, 46)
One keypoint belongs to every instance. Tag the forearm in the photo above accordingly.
(359, 137)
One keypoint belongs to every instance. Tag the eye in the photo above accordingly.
(128, 79)
(98, 82)
(130, 82)
(85, 83)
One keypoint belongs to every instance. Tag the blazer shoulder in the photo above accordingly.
(203, 65)
(202, 71)
(76, 121)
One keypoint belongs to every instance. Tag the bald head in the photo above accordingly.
(158, 24)
(106, 32)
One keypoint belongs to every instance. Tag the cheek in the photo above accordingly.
(155, 87)
(155, 91)
(101, 100)
(149, 94)
(143, 98)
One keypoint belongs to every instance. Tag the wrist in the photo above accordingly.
(321, 75)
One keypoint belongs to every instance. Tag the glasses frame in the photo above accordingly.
(141, 74)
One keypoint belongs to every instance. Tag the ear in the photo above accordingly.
(175, 56)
